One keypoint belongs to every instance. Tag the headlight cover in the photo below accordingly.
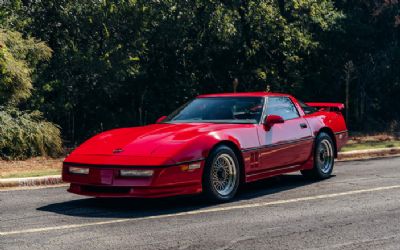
(78, 170)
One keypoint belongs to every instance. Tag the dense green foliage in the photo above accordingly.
(22, 134)
(26, 134)
(121, 63)
(18, 58)
(126, 62)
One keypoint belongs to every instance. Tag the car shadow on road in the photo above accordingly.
(137, 208)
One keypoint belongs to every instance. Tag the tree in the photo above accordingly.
(123, 63)
(23, 133)
(370, 39)
(18, 59)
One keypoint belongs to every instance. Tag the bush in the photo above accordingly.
(26, 134)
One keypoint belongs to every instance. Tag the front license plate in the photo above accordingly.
(101, 176)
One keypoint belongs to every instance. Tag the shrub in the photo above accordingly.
(26, 134)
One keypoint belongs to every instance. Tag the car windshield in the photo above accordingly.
(219, 110)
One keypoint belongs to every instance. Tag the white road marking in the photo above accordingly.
(203, 211)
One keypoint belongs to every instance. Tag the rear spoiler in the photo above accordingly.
(327, 106)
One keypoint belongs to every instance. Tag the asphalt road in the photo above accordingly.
(358, 208)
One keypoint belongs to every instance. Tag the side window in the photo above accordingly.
(282, 106)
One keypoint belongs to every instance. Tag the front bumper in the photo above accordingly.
(105, 181)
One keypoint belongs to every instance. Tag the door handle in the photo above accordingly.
(303, 125)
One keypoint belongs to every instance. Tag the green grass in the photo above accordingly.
(34, 173)
(370, 145)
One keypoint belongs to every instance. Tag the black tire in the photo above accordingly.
(324, 154)
(211, 182)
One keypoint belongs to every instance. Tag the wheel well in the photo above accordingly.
(238, 153)
(332, 135)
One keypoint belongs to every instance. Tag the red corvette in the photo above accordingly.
(211, 145)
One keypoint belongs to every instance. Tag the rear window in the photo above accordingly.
(307, 109)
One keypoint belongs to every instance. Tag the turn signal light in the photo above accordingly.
(191, 166)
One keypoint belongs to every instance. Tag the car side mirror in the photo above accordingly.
(270, 120)
(162, 118)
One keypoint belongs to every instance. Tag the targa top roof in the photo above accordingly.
(243, 94)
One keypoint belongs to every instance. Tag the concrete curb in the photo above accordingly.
(31, 181)
(56, 179)
(368, 154)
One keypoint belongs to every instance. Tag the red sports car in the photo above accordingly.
(210, 145)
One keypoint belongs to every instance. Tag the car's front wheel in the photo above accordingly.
(221, 174)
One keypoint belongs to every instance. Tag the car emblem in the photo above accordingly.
(117, 150)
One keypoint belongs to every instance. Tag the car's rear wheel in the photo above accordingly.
(221, 174)
(324, 158)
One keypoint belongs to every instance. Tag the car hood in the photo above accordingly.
(157, 140)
